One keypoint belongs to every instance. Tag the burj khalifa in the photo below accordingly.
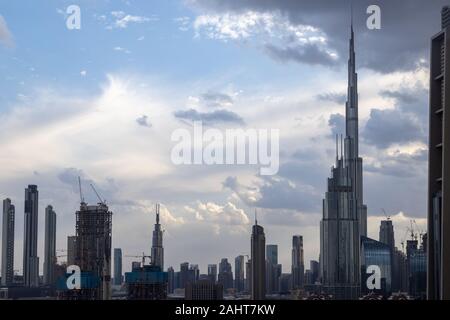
(344, 213)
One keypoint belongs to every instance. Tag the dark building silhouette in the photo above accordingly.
(239, 273)
(118, 275)
(146, 282)
(93, 250)
(438, 282)
(30, 235)
(204, 289)
(258, 263)
(212, 272)
(50, 247)
(298, 263)
(225, 274)
(157, 243)
(8, 243)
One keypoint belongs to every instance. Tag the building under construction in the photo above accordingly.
(93, 249)
(92, 252)
(146, 282)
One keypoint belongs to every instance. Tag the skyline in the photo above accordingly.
(287, 199)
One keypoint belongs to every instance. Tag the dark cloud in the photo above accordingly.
(217, 116)
(143, 121)
(387, 127)
(400, 165)
(217, 99)
(337, 124)
(309, 54)
(338, 98)
(404, 38)
(412, 99)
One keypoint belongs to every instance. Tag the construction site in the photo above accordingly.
(92, 251)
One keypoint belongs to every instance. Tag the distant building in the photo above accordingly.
(8, 243)
(71, 250)
(93, 244)
(298, 264)
(157, 243)
(284, 283)
(379, 254)
(204, 289)
(272, 269)
(315, 270)
(417, 269)
(50, 247)
(225, 274)
(239, 273)
(438, 282)
(258, 263)
(171, 280)
(146, 283)
(118, 278)
(212, 272)
(30, 234)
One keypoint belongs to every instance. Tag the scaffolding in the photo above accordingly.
(93, 249)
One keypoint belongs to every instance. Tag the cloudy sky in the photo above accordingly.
(102, 102)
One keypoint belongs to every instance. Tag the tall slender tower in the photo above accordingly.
(157, 243)
(344, 214)
(258, 264)
(8, 243)
(298, 264)
(50, 246)
(30, 234)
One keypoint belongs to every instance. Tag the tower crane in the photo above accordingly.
(143, 256)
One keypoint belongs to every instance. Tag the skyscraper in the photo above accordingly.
(272, 273)
(258, 263)
(117, 266)
(239, 269)
(387, 233)
(225, 276)
(212, 272)
(298, 264)
(50, 246)
(8, 243)
(30, 234)
(157, 243)
(93, 245)
(71, 250)
(438, 260)
(344, 214)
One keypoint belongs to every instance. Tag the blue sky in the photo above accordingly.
(72, 102)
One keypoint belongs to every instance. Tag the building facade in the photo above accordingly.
(50, 246)
(438, 260)
(30, 235)
(298, 263)
(93, 250)
(258, 263)
(118, 278)
(225, 276)
(239, 273)
(204, 289)
(9, 214)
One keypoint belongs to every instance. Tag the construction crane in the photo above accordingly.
(388, 217)
(98, 196)
(143, 256)
(81, 193)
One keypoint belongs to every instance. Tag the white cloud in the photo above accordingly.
(270, 30)
(227, 214)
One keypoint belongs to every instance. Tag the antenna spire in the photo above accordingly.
(256, 218)
(157, 213)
